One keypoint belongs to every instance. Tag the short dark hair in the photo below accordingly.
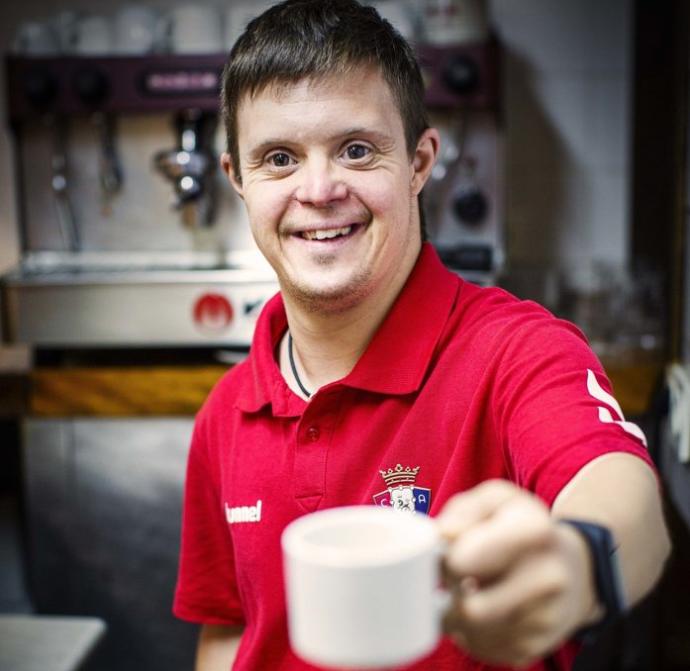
(298, 39)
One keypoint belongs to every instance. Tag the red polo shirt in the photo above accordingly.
(459, 384)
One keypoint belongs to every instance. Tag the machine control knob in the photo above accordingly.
(40, 87)
(470, 207)
(91, 86)
(461, 74)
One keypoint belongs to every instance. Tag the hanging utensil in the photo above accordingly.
(69, 228)
(110, 175)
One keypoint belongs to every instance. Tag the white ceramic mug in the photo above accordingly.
(137, 30)
(94, 35)
(65, 25)
(362, 587)
(36, 38)
(195, 29)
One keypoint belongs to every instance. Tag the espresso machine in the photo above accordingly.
(137, 256)
(122, 207)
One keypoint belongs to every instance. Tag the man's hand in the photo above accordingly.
(521, 582)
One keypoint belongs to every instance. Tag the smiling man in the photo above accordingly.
(378, 377)
(330, 190)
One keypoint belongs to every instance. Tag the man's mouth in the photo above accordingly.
(328, 234)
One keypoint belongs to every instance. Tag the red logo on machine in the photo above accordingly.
(213, 313)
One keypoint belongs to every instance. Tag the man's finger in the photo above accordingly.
(490, 548)
(524, 590)
(465, 510)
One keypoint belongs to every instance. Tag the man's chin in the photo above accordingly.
(328, 297)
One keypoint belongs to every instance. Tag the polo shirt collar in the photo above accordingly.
(265, 384)
(399, 354)
(395, 360)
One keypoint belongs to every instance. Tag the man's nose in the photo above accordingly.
(321, 183)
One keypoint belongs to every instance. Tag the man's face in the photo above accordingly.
(330, 188)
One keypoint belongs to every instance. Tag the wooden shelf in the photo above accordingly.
(180, 390)
(634, 384)
(122, 391)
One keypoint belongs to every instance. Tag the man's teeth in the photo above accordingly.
(326, 235)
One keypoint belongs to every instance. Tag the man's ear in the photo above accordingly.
(228, 168)
(424, 158)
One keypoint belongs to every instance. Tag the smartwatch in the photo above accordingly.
(606, 573)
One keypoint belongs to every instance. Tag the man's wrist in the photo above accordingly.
(604, 576)
(591, 611)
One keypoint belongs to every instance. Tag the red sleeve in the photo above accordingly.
(206, 589)
(555, 409)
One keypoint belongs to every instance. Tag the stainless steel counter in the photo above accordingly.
(104, 510)
(49, 643)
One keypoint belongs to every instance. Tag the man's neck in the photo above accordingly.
(326, 346)
(327, 349)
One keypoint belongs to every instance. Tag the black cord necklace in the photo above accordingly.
(294, 368)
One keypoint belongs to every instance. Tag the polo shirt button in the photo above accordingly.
(313, 433)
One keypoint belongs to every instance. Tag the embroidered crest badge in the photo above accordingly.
(402, 493)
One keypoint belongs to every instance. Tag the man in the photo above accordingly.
(377, 376)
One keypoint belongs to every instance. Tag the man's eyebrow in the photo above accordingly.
(257, 150)
(370, 132)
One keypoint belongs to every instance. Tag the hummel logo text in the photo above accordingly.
(243, 513)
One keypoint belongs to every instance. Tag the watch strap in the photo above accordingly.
(609, 592)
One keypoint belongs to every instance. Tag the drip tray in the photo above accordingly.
(102, 266)
(132, 300)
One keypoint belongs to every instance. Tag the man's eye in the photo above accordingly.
(279, 160)
(357, 151)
